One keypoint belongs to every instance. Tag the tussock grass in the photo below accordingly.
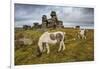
(76, 50)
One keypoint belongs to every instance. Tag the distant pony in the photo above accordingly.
(50, 38)
(82, 34)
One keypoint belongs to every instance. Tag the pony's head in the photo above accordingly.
(39, 52)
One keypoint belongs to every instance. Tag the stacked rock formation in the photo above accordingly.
(53, 22)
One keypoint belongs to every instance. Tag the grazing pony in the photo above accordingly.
(82, 34)
(50, 38)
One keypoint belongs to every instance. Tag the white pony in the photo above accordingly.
(50, 38)
(82, 34)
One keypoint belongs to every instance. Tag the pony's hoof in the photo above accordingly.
(39, 55)
(58, 51)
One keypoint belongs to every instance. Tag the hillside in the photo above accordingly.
(76, 50)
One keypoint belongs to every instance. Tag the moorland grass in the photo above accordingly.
(76, 50)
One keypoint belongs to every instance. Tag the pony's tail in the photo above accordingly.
(39, 49)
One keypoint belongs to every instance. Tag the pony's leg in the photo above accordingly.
(60, 46)
(78, 36)
(84, 37)
(44, 47)
(63, 46)
(48, 50)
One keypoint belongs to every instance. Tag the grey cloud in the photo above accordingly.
(32, 13)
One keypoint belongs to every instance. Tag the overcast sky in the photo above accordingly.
(71, 16)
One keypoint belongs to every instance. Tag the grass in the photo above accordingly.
(76, 50)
